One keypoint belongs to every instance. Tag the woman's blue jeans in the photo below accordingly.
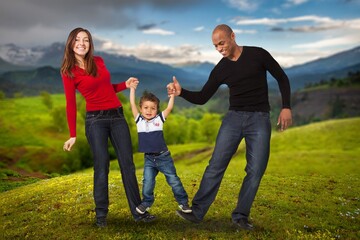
(100, 126)
(255, 128)
(164, 164)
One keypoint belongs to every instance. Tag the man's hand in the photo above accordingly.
(174, 87)
(285, 119)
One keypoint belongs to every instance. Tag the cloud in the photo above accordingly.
(158, 31)
(296, 2)
(277, 29)
(306, 29)
(104, 13)
(21, 18)
(324, 26)
(330, 42)
(275, 21)
(315, 23)
(199, 29)
(243, 5)
(291, 3)
(146, 26)
(287, 59)
(153, 52)
(24, 14)
(240, 31)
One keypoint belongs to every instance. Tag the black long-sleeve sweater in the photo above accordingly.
(247, 82)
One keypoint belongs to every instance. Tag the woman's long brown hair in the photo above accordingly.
(69, 60)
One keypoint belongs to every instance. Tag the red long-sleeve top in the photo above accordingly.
(99, 92)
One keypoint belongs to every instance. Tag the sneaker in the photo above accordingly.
(142, 209)
(101, 222)
(185, 208)
(188, 216)
(244, 224)
(146, 218)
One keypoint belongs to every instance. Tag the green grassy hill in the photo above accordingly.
(310, 191)
(32, 135)
(33, 130)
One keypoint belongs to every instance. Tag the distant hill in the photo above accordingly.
(154, 76)
(19, 68)
(335, 66)
(337, 61)
(31, 82)
(203, 68)
(323, 104)
(6, 66)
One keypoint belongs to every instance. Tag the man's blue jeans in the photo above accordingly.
(164, 164)
(255, 128)
(100, 126)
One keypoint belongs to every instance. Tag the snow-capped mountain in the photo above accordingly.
(19, 55)
(154, 75)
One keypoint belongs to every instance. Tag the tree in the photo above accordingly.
(337, 108)
(174, 129)
(210, 124)
(46, 99)
(193, 131)
(2, 95)
(59, 118)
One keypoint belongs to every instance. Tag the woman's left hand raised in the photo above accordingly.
(132, 82)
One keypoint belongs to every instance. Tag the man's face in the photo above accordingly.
(224, 43)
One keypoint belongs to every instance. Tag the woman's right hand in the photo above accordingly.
(69, 143)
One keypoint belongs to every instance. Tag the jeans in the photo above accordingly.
(255, 128)
(164, 164)
(99, 127)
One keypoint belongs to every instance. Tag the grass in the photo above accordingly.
(310, 191)
(31, 141)
(21, 117)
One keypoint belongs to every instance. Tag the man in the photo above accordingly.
(243, 69)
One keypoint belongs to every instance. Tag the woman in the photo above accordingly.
(83, 71)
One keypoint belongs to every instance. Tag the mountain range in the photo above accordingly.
(338, 65)
(32, 70)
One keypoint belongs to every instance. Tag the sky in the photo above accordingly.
(179, 31)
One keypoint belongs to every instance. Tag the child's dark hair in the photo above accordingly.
(148, 96)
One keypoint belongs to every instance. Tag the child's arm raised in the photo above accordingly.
(134, 108)
(170, 105)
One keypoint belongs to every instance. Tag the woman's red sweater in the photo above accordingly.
(99, 92)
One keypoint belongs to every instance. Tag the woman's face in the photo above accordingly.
(82, 44)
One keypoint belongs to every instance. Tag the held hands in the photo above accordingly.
(174, 88)
(285, 119)
(132, 82)
(69, 143)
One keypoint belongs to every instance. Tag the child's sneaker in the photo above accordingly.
(142, 209)
(185, 208)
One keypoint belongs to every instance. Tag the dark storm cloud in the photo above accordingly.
(40, 21)
(149, 26)
(277, 29)
(146, 26)
(305, 29)
(23, 14)
(351, 1)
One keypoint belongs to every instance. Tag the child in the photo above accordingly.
(157, 156)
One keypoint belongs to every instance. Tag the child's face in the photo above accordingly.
(148, 109)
